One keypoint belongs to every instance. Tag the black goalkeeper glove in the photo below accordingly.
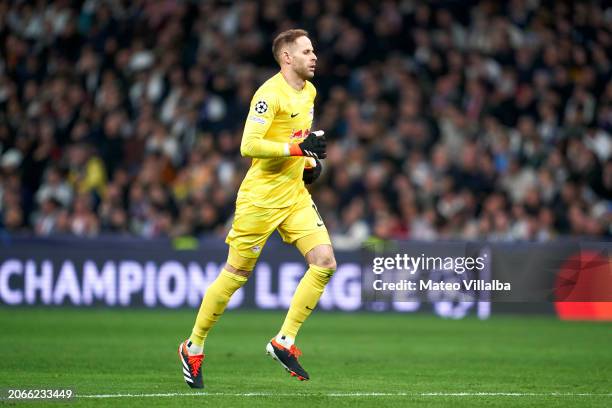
(312, 173)
(313, 146)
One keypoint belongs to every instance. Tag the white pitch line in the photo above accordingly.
(352, 394)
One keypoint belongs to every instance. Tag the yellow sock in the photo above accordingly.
(306, 297)
(215, 300)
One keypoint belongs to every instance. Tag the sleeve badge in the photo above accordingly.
(261, 107)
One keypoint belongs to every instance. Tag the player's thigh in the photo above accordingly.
(304, 227)
(251, 229)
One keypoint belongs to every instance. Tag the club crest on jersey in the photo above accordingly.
(256, 249)
(261, 107)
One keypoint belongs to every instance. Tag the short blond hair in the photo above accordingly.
(285, 38)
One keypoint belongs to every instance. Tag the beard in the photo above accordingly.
(304, 73)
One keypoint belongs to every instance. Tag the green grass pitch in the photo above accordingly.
(353, 359)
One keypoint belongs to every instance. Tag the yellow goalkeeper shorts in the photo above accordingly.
(253, 225)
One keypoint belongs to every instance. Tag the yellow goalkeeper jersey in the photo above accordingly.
(279, 115)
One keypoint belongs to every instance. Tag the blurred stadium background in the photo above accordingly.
(475, 120)
(448, 119)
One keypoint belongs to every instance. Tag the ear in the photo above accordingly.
(285, 56)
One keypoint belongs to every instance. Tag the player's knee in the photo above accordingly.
(326, 261)
(239, 272)
(322, 256)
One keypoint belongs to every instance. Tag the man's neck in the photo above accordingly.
(293, 79)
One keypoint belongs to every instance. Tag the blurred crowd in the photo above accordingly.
(445, 119)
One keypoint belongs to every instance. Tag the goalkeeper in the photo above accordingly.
(286, 155)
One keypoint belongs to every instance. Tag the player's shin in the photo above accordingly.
(213, 305)
(305, 299)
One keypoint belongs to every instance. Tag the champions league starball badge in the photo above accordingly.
(261, 107)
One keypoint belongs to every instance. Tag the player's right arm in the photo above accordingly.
(261, 114)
